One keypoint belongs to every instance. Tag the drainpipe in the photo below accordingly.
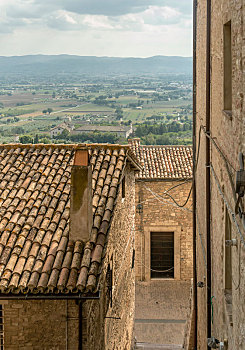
(194, 175)
(208, 203)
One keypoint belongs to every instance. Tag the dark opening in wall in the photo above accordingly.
(123, 187)
(227, 68)
(162, 255)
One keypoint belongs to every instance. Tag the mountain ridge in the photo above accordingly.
(64, 63)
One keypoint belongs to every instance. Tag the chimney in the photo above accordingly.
(81, 197)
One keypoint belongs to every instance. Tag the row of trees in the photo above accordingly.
(93, 137)
(159, 129)
(181, 138)
(36, 139)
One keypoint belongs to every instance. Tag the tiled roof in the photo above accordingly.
(36, 255)
(61, 126)
(163, 162)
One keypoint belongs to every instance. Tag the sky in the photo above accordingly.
(117, 28)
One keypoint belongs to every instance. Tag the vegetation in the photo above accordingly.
(158, 106)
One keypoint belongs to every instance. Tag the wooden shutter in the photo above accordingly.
(162, 255)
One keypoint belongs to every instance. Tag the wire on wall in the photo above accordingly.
(159, 197)
(200, 236)
(233, 215)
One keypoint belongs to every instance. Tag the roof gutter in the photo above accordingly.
(91, 296)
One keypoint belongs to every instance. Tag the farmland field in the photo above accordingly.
(33, 109)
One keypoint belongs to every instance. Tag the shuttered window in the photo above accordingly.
(162, 255)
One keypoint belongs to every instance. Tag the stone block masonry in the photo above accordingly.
(40, 325)
(154, 212)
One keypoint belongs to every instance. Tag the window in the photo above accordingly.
(227, 68)
(123, 187)
(109, 283)
(1, 328)
(162, 255)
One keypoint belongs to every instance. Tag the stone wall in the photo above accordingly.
(40, 325)
(114, 331)
(190, 324)
(228, 132)
(162, 215)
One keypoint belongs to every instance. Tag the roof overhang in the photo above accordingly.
(69, 296)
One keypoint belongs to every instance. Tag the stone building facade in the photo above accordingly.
(58, 292)
(166, 175)
(220, 141)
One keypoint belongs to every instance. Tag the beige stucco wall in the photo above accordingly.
(229, 135)
(158, 216)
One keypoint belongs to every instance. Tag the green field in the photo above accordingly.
(22, 106)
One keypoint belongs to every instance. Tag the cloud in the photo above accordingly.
(98, 22)
(108, 14)
(62, 20)
(115, 7)
(137, 24)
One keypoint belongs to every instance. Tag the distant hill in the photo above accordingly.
(70, 64)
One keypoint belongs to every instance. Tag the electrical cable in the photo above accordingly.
(163, 202)
(233, 215)
(200, 236)
(159, 198)
(171, 268)
(217, 147)
(181, 184)
(239, 281)
(227, 163)
(180, 205)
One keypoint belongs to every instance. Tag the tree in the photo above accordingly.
(26, 139)
(17, 130)
(36, 139)
(49, 110)
(64, 134)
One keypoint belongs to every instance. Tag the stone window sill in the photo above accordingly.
(227, 114)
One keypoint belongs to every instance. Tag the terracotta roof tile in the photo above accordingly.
(159, 162)
(36, 255)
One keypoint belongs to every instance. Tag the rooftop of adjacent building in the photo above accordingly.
(36, 252)
(163, 162)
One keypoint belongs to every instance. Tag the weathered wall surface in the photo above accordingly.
(40, 325)
(200, 175)
(163, 216)
(189, 332)
(114, 331)
(228, 132)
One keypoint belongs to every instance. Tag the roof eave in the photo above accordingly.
(60, 296)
